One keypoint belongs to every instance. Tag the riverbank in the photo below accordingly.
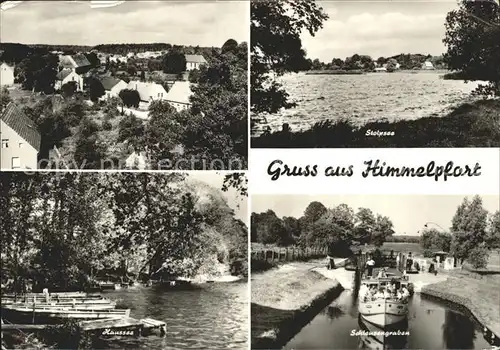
(474, 124)
(478, 295)
(285, 299)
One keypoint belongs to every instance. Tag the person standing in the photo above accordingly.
(370, 264)
(409, 262)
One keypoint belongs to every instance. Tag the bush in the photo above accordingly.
(106, 125)
(478, 257)
(428, 253)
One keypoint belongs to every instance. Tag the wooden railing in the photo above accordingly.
(282, 254)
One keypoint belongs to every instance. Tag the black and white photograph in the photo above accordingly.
(156, 85)
(337, 74)
(375, 271)
(124, 260)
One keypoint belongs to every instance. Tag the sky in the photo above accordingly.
(408, 213)
(203, 23)
(234, 199)
(379, 28)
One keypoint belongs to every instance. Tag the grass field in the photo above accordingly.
(414, 248)
(281, 295)
(480, 295)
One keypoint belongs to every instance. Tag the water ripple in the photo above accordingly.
(363, 98)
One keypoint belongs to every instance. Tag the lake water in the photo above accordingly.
(212, 317)
(367, 97)
(430, 325)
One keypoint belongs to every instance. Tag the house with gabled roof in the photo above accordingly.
(112, 87)
(6, 75)
(79, 63)
(179, 94)
(66, 76)
(194, 61)
(20, 139)
(427, 65)
(148, 91)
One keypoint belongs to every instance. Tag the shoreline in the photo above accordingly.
(440, 291)
(480, 118)
(283, 302)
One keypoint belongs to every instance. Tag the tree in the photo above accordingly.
(276, 48)
(468, 227)
(143, 76)
(493, 232)
(472, 40)
(238, 181)
(93, 59)
(69, 89)
(163, 133)
(391, 65)
(96, 89)
(61, 232)
(337, 63)
(216, 126)
(333, 230)
(4, 97)
(194, 76)
(269, 229)
(131, 129)
(230, 45)
(383, 229)
(317, 64)
(312, 213)
(89, 151)
(54, 126)
(132, 70)
(365, 225)
(434, 240)
(174, 62)
(130, 98)
(292, 227)
(381, 61)
(37, 72)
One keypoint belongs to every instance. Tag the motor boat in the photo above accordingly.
(384, 310)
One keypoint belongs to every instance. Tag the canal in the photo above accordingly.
(430, 325)
(213, 316)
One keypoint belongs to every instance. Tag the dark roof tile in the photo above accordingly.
(15, 118)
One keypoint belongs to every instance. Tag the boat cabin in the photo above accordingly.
(399, 282)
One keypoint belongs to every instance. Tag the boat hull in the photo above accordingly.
(55, 315)
(383, 312)
(393, 336)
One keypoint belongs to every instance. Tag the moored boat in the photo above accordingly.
(384, 310)
(23, 314)
(85, 306)
(391, 337)
(58, 302)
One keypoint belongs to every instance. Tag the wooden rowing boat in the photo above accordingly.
(43, 306)
(53, 294)
(23, 314)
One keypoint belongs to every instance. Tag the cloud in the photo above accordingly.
(377, 35)
(187, 23)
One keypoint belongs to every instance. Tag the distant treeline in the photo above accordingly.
(403, 239)
(367, 63)
(335, 228)
(15, 52)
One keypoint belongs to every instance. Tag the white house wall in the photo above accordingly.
(6, 76)
(27, 155)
